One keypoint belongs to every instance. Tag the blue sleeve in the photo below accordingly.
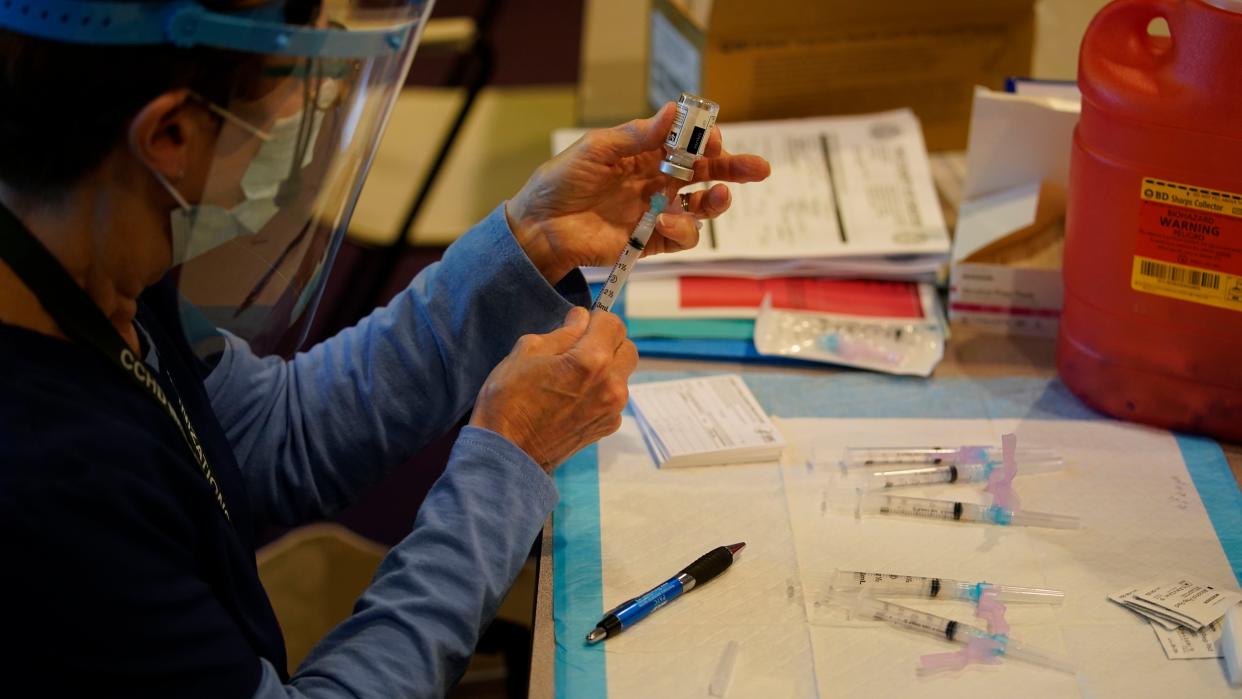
(414, 629)
(310, 433)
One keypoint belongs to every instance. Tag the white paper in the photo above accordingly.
(711, 419)
(1126, 599)
(981, 221)
(1197, 601)
(1183, 644)
(1058, 89)
(770, 601)
(855, 189)
(1016, 140)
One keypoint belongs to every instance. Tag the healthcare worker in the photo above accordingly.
(175, 179)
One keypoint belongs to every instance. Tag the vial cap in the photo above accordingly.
(675, 170)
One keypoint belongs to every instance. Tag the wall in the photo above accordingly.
(1059, 28)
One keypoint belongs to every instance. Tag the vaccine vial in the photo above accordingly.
(687, 140)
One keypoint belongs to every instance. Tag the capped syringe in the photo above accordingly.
(880, 477)
(893, 585)
(867, 607)
(1029, 459)
(633, 250)
(954, 511)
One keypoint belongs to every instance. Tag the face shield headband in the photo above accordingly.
(187, 24)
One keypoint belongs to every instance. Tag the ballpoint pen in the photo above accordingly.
(629, 612)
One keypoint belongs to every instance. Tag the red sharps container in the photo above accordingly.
(1152, 323)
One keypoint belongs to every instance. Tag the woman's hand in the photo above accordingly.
(557, 393)
(580, 207)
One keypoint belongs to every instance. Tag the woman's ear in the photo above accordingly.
(163, 133)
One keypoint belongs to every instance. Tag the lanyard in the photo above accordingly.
(80, 319)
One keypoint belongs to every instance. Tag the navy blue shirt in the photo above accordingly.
(121, 575)
(114, 539)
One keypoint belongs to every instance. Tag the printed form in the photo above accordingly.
(704, 421)
(841, 187)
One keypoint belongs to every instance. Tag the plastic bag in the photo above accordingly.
(894, 346)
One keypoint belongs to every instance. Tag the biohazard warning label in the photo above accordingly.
(1189, 244)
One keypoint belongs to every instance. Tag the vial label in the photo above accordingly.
(696, 140)
(690, 128)
(678, 123)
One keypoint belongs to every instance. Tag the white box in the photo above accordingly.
(1006, 273)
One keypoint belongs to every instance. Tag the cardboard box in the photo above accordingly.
(1010, 233)
(792, 58)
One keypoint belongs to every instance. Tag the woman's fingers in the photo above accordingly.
(675, 231)
(715, 144)
(727, 167)
(708, 203)
(633, 137)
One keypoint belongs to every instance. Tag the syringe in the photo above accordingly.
(890, 585)
(1029, 459)
(879, 477)
(867, 607)
(954, 511)
(625, 264)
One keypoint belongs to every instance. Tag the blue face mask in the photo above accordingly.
(200, 228)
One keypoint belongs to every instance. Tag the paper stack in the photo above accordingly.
(843, 232)
(705, 421)
(1185, 615)
(848, 197)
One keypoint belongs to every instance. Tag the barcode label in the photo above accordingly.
(1179, 275)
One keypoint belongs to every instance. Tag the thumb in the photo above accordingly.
(639, 135)
(560, 340)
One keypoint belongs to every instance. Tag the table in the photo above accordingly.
(969, 354)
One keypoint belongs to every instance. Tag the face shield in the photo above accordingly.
(253, 239)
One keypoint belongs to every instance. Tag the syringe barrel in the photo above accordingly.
(872, 456)
(906, 476)
(630, 254)
(616, 279)
(896, 585)
(877, 477)
(1030, 460)
(867, 607)
(880, 503)
(860, 582)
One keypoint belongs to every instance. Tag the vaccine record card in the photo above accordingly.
(704, 421)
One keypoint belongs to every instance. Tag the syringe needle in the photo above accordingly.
(633, 249)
